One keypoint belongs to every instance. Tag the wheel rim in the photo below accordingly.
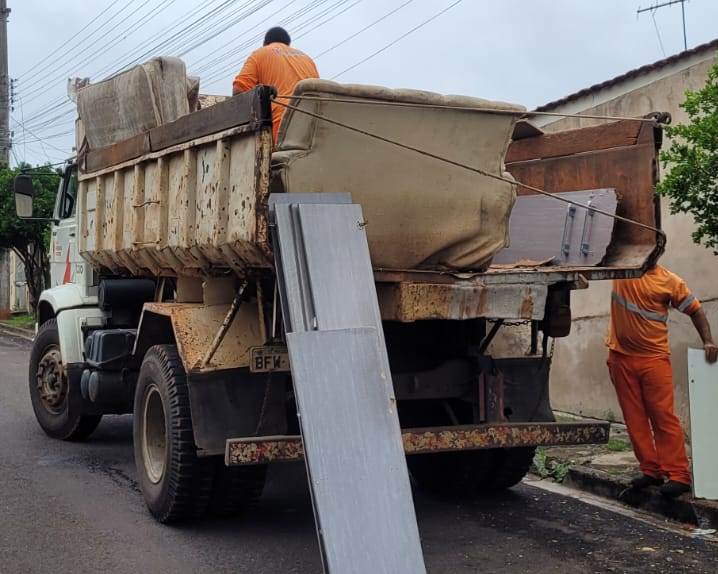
(154, 438)
(51, 380)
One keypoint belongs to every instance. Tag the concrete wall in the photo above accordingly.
(579, 381)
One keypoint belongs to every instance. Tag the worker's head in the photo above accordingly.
(277, 34)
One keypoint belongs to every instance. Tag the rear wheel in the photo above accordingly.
(236, 488)
(175, 482)
(469, 473)
(50, 389)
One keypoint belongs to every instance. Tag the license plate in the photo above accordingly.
(268, 359)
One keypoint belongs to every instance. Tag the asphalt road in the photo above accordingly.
(67, 507)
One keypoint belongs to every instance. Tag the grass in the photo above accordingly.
(618, 445)
(22, 321)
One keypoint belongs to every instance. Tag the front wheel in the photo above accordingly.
(50, 389)
(175, 482)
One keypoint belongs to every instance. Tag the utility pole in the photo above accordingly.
(663, 5)
(4, 87)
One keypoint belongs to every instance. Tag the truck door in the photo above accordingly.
(66, 265)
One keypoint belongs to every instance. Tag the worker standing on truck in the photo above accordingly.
(640, 368)
(275, 64)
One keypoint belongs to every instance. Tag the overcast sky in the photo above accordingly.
(523, 51)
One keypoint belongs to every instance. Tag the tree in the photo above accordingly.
(692, 183)
(30, 240)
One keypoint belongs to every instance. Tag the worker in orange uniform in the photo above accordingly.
(640, 367)
(275, 64)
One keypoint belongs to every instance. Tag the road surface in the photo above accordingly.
(68, 507)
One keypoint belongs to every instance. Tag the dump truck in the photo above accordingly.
(164, 300)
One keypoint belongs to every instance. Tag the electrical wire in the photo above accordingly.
(121, 36)
(392, 43)
(38, 74)
(364, 29)
(34, 68)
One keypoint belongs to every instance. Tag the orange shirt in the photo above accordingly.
(639, 312)
(275, 65)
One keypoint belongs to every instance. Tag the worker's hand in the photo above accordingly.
(711, 350)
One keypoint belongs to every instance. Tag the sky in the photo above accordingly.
(522, 51)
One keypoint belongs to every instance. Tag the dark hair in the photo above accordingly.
(277, 34)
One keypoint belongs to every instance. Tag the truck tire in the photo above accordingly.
(236, 488)
(175, 482)
(466, 474)
(510, 467)
(49, 389)
(456, 475)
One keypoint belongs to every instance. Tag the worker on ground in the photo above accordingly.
(278, 65)
(640, 367)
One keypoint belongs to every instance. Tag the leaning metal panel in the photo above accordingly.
(350, 433)
(363, 506)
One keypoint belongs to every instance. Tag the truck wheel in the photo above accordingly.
(236, 488)
(50, 388)
(176, 484)
(511, 465)
(452, 474)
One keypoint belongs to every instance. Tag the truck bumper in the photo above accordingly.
(262, 450)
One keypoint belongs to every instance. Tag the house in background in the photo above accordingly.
(579, 378)
(13, 287)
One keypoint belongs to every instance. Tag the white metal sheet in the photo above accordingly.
(355, 456)
(703, 397)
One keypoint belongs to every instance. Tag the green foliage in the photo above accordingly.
(15, 232)
(547, 467)
(618, 445)
(692, 184)
(29, 239)
(24, 321)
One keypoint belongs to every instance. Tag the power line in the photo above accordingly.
(121, 36)
(68, 40)
(40, 140)
(112, 67)
(38, 75)
(390, 44)
(142, 21)
(214, 72)
(364, 29)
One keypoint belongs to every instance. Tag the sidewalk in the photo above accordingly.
(13, 331)
(606, 470)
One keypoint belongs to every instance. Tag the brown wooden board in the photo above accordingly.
(251, 109)
(616, 134)
(630, 170)
(125, 150)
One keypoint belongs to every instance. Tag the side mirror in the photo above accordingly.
(24, 194)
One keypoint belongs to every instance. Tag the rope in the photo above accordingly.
(474, 169)
(463, 108)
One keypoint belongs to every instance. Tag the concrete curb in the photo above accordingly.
(26, 334)
(701, 513)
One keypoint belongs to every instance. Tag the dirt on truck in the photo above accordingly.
(165, 303)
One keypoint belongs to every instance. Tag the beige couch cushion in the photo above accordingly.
(420, 212)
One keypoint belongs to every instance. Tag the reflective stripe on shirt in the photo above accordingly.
(686, 303)
(633, 308)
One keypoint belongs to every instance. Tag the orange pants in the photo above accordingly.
(644, 386)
